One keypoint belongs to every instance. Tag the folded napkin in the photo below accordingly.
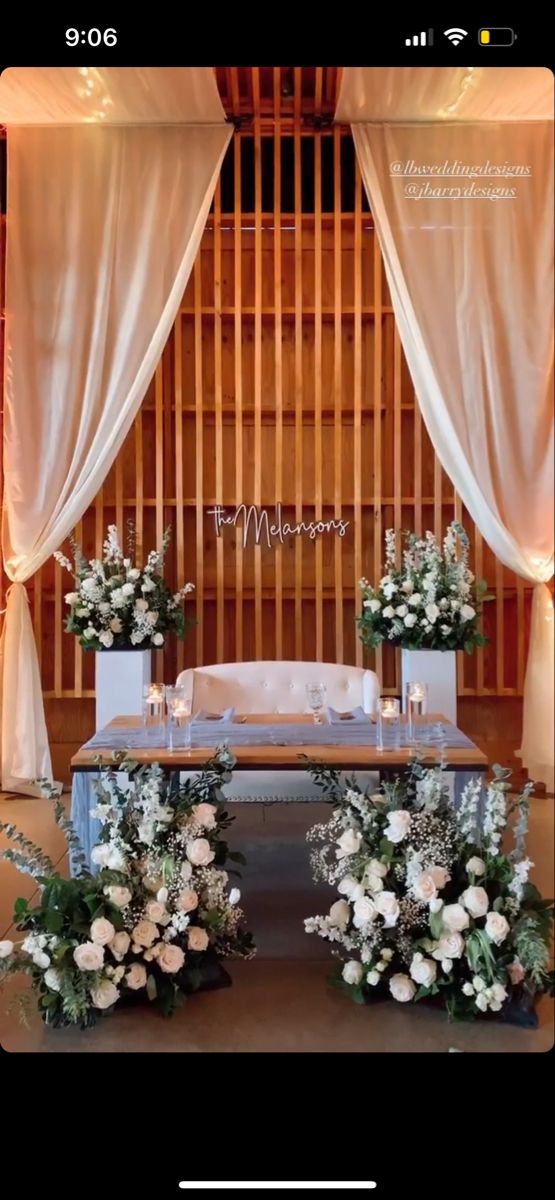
(203, 715)
(353, 714)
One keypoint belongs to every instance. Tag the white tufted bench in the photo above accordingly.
(266, 687)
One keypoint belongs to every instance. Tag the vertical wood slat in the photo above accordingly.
(417, 467)
(58, 629)
(397, 478)
(499, 629)
(157, 662)
(77, 650)
(337, 392)
(278, 364)
(377, 444)
(357, 401)
(520, 665)
(318, 549)
(179, 523)
(457, 515)
(298, 367)
(479, 572)
(438, 509)
(139, 487)
(257, 355)
(199, 464)
(220, 616)
(238, 366)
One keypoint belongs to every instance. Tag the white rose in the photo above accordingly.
(389, 612)
(234, 896)
(170, 958)
(436, 905)
(339, 914)
(398, 825)
(467, 612)
(352, 972)
(476, 901)
(401, 610)
(423, 970)
(481, 1002)
(498, 992)
(410, 620)
(349, 843)
(402, 988)
(155, 910)
(407, 586)
(136, 977)
(424, 887)
(364, 911)
(72, 598)
(440, 876)
(373, 977)
(89, 956)
(497, 927)
(106, 638)
(432, 613)
(105, 994)
(120, 896)
(144, 933)
(373, 605)
(199, 852)
(455, 918)
(387, 905)
(89, 633)
(116, 625)
(128, 589)
(134, 573)
(141, 605)
(102, 931)
(158, 639)
(53, 979)
(348, 886)
(205, 815)
(41, 959)
(6, 948)
(120, 945)
(415, 599)
(148, 584)
(467, 988)
(450, 945)
(387, 954)
(197, 938)
(108, 855)
(475, 866)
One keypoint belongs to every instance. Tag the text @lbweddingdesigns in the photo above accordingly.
(265, 529)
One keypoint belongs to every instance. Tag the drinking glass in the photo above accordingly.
(416, 707)
(153, 705)
(316, 696)
(389, 724)
(179, 718)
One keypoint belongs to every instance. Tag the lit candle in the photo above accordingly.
(416, 692)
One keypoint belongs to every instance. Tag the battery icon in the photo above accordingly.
(496, 37)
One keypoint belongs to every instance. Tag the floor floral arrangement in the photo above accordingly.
(429, 906)
(117, 605)
(431, 602)
(159, 915)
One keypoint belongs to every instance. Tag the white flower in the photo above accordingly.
(446, 965)
(141, 605)
(410, 620)
(106, 854)
(498, 992)
(105, 994)
(116, 625)
(387, 954)
(407, 586)
(136, 977)
(352, 972)
(339, 914)
(476, 901)
(128, 589)
(162, 895)
(423, 970)
(197, 938)
(450, 945)
(186, 871)
(516, 971)
(234, 896)
(373, 605)
(364, 911)
(158, 639)
(467, 612)
(348, 886)
(373, 977)
(432, 613)
(120, 896)
(41, 959)
(148, 584)
(398, 825)
(478, 984)
(187, 900)
(374, 874)
(455, 918)
(497, 927)
(402, 988)
(481, 1002)
(72, 598)
(401, 610)
(6, 948)
(389, 612)
(155, 910)
(205, 815)
(424, 887)
(134, 573)
(436, 905)
(102, 931)
(467, 988)
(106, 638)
(475, 866)
(349, 843)
(415, 600)
(53, 979)
(89, 956)
(440, 876)
(199, 852)
(388, 907)
(120, 945)
(89, 633)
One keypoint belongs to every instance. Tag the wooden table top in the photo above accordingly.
(286, 758)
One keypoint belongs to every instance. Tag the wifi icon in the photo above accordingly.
(455, 35)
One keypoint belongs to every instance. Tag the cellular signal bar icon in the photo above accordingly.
(421, 39)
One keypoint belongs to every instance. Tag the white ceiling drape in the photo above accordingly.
(462, 198)
(105, 216)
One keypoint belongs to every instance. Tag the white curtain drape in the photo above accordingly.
(104, 223)
(464, 214)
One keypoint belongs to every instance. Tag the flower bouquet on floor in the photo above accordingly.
(431, 602)
(429, 906)
(117, 605)
(157, 918)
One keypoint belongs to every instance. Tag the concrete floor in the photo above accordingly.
(280, 1001)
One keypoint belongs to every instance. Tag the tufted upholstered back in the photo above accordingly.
(265, 687)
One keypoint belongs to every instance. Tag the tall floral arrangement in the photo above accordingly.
(431, 602)
(157, 917)
(117, 605)
(428, 904)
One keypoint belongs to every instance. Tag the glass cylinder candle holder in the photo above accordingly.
(154, 705)
(179, 719)
(389, 724)
(416, 707)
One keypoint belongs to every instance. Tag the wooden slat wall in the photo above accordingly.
(283, 380)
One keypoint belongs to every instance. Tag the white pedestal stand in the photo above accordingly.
(120, 679)
(438, 669)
